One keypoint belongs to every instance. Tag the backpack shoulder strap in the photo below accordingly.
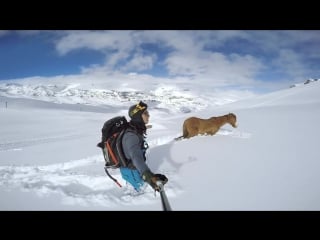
(122, 158)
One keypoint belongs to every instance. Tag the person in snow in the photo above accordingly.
(134, 148)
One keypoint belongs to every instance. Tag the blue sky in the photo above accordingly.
(263, 58)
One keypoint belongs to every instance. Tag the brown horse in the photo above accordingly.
(193, 126)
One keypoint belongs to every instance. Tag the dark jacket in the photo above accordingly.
(134, 148)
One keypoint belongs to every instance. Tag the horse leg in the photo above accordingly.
(212, 132)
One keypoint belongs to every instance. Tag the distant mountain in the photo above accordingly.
(305, 82)
(162, 96)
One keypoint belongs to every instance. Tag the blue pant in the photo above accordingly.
(132, 176)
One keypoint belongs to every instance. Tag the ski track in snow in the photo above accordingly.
(72, 181)
(222, 132)
(67, 179)
(14, 146)
(233, 133)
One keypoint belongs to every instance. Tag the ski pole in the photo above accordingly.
(164, 200)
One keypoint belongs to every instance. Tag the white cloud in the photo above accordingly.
(227, 57)
(290, 63)
(139, 62)
(104, 41)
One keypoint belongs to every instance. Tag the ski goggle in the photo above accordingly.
(137, 109)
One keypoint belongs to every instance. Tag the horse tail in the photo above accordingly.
(178, 138)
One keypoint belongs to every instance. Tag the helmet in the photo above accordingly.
(135, 111)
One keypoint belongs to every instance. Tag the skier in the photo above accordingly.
(134, 148)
